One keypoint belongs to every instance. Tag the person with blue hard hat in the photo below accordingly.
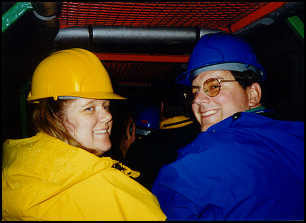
(245, 164)
(147, 119)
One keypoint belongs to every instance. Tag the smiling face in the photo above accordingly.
(232, 98)
(89, 122)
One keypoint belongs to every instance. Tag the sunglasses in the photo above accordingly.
(211, 88)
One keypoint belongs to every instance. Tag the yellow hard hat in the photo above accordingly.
(73, 72)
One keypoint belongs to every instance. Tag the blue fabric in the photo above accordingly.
(245, 168)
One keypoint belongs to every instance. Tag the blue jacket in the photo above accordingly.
(246, 167)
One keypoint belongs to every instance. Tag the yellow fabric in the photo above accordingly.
(44, 178)
(173, 120)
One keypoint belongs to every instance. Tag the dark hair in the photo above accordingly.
(247, 78)
(123, 117)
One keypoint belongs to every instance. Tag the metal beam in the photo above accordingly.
(265, 10)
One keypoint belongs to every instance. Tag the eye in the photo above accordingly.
(106, 107)
(214, 86)
(89, 109)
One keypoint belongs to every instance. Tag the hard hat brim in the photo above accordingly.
(92, 95)
(187, 77)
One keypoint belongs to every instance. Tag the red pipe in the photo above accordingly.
(143, 57)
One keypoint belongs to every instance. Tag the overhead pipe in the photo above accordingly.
(101, 37)
(136, 35)
(46, 12)
(73, 36)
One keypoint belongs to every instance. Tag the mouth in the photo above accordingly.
(100, 131)
(208, 113)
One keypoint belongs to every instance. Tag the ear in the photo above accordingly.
(254, 95)
(130, 130)
(162, 107)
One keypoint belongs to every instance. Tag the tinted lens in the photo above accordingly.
(211, 87)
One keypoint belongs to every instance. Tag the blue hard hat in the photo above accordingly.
(220, 51)
(147, 117)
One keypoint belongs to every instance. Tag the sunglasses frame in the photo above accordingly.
(219, 80)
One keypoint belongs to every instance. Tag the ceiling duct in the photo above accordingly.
(131, 39)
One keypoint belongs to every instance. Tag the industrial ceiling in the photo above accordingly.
(143, 42)
(140, 42)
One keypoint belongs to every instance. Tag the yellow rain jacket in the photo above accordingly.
(44, 178)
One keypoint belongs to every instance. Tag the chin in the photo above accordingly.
(99, 149)
(104, 148)
(206, 126)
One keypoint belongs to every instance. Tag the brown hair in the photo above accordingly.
(48, 118)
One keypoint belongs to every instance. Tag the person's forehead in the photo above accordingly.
(88, 101)
(212, 74)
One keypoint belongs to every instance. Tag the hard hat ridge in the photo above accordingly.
(220, 51)
(72, 72)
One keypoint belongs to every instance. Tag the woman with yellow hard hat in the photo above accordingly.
(60, 173)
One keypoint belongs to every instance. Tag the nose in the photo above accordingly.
(104, 116)
(201, 97)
